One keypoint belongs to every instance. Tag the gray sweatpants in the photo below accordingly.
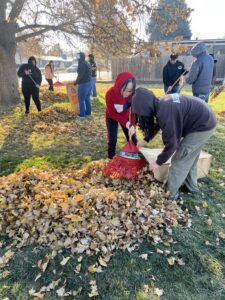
(183, 167)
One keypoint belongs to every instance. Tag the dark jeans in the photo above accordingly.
(112, 130)
(50, 82)
(84, 93)
(204, 97)
(174, 90)
(29, 91)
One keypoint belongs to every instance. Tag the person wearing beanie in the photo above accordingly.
(201, 72)
(84, 86)
(118, 110)
(171, 72)
(31, 81)
(93, 74)
(186, 123)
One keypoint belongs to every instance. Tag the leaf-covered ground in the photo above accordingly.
(80, 237)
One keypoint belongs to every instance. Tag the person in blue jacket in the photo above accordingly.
(201, 72)
(84, 86)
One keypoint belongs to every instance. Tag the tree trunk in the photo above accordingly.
(8, 79)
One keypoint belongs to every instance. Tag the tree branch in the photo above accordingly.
(16, 10)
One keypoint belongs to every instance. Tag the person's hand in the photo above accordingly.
(128, 125)
(118, 107)
(153, 166)
(38, 86)
(169, 89)
(26, 72)
(131, 130)
(141, 143)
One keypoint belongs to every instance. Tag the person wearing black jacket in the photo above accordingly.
(171, 72)
(84, 86)
(31, 81)
(186, 123)
(93, 74)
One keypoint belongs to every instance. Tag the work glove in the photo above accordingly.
(118, 107)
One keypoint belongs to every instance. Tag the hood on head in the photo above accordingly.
(121, 79)
(144, 103)
(198, 49)
(82, 56)
(31, 58)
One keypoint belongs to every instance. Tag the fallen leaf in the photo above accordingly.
(37, 277)
(209, 222)
(61, 291)
(102, 262)
(171, 260)
(78, 268)
(144, 256)
(180, 262)
(92, 269)
(64, 261)
(158, 292)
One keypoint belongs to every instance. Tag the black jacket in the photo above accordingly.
(171, 72)
(93, 68)
(83, 70)
(34, 72)
(176, 115)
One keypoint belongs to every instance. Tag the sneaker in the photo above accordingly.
(81, 118)
(174, 197)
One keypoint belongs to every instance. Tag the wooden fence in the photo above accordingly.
(148, 72)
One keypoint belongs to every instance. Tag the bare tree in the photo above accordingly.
(109, 25)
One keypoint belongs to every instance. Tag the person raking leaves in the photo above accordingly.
(186, 123)
(118, 110)
(31, 81)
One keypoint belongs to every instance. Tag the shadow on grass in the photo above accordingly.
(25, 146)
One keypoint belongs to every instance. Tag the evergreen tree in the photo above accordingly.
(169, 21)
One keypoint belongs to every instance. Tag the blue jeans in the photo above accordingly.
(93, 82)
(84, 93)
(174, 90)
(204, 97)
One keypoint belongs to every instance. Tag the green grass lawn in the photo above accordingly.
(54, 140)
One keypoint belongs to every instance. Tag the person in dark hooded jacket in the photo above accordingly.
(84, 86)
(118, 110)
(201, 72)
(186, 123)
(31, 81)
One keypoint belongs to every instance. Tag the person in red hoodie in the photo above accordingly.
(118, 110)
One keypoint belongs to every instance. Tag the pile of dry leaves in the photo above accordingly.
(83, 210)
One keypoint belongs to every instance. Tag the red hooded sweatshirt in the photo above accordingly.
(113, 96)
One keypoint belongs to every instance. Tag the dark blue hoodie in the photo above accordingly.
(83, 70)
(201, 72)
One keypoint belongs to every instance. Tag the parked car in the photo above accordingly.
(72, 68)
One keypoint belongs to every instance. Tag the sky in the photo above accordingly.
(207, 19)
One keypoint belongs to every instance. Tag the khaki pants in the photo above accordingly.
(183, 168)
